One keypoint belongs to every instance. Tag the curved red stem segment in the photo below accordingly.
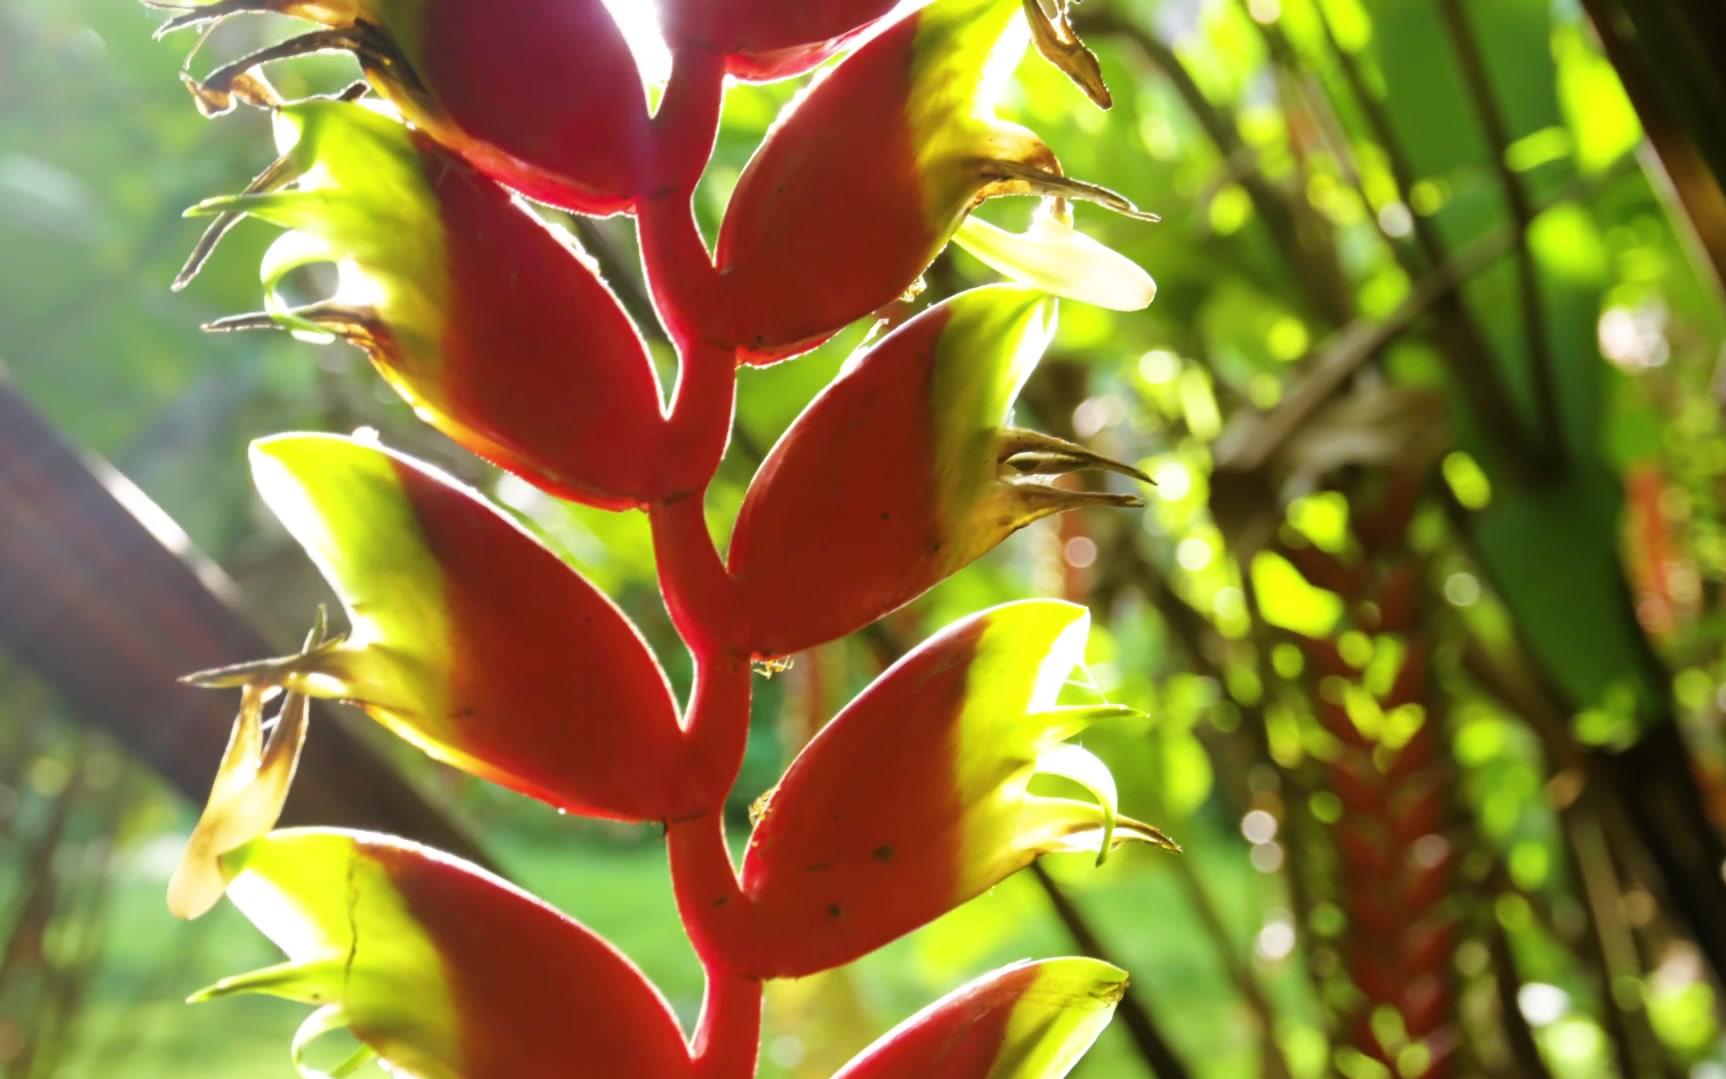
(687, 123)
(687, 289)
(728, 1034)
(710, 901)
(699, 427)
(699, 592)
(689, 293)
(709, 898)
(716, 731)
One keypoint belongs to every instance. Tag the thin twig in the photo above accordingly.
(1305, 248)
(1455, 328)
(1519, 1036)
(1275, 1065)
(1252, 438)
(1522, 214)
(1191, 629)
(1614, 947)
(1143, 1029)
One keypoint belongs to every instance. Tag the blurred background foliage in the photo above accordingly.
(1425, 613)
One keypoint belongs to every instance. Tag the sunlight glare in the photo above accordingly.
(639, 21)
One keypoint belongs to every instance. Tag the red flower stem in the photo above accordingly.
(709, 898)
(699, 592)
(728, 1034)
(699, 427)
(689, 293)
(714, 912)
(716, 731)
(687, 123)
(687, 289)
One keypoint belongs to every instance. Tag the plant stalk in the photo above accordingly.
(689, 293)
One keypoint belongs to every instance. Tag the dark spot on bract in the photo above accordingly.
(834, 910)
(721, 901)
(818, 867)
(882, 853)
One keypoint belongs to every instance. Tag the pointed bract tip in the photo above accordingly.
(1023, 452)
(1052, 33)
(216, 678)
(265, 672)
(1128, 829)
(257, 320)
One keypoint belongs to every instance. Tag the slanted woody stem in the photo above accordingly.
(690, 296)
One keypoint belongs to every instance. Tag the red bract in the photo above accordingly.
(542, 94)
(440, 969)
(1027, 1019)
(916, 797)
(859, 187)
(491, 323)
(470, 639)
(246, 799)
(901, 472)
(770, 39)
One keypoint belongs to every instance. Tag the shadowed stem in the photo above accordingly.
(712, 907)
(728, 1034)
(689, 294)
(698, 591)
(1293, 227)
(710, 901)
(1492, 121)
(687, 290)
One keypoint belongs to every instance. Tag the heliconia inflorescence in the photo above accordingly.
(470, 639)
